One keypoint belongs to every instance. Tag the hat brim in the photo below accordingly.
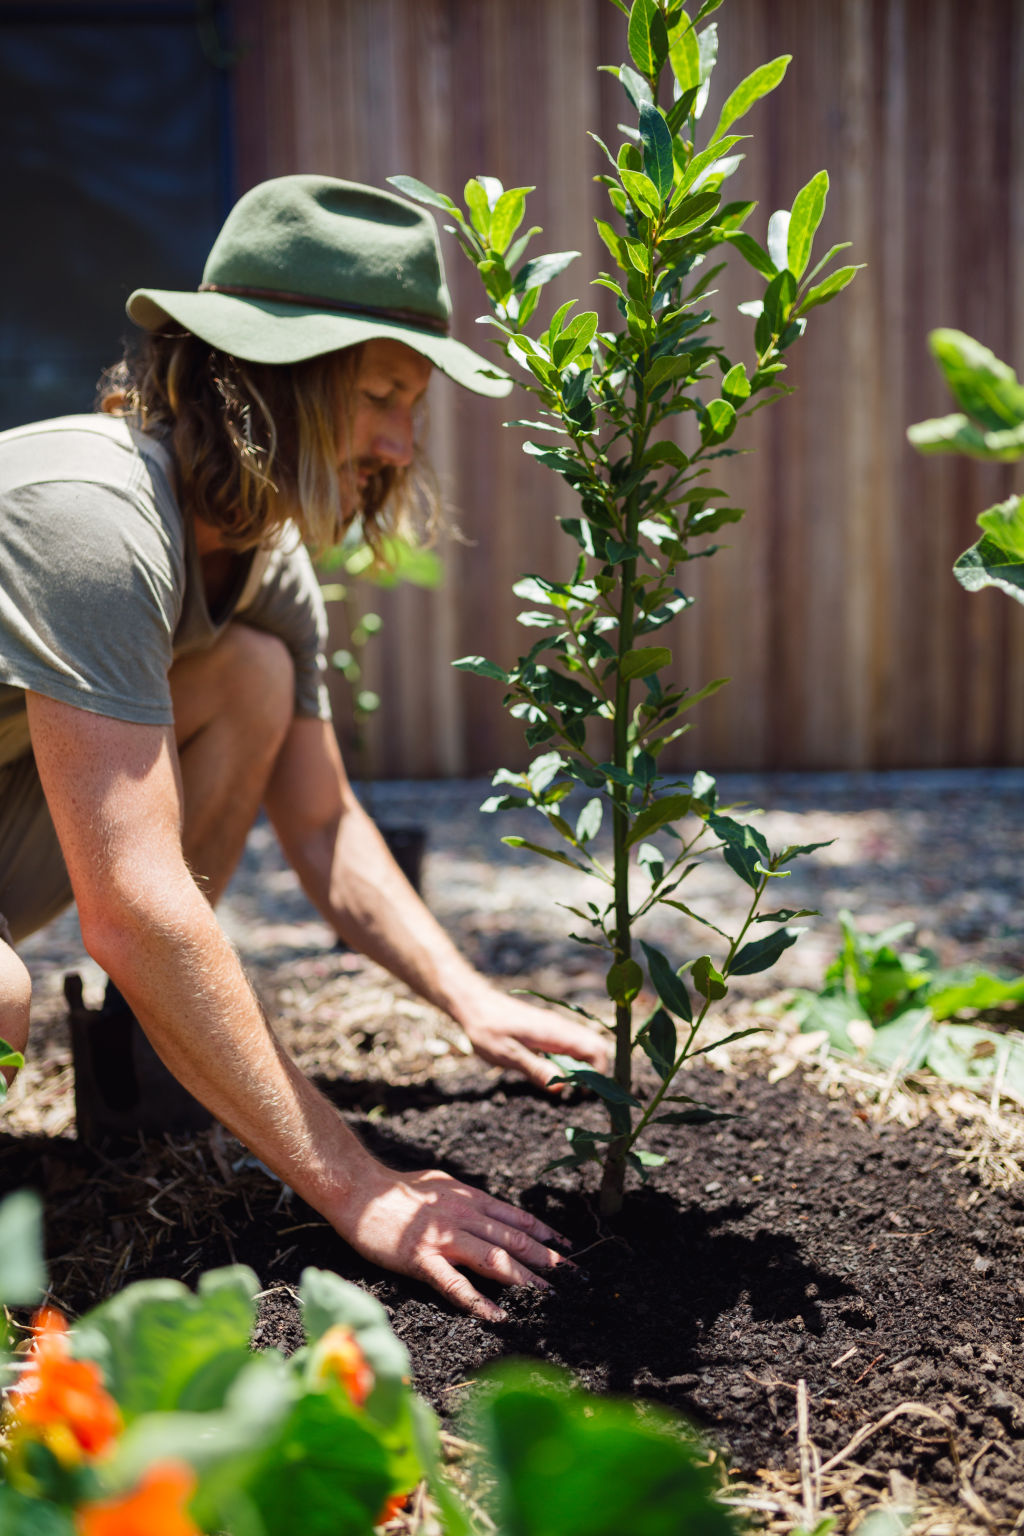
(268, 331)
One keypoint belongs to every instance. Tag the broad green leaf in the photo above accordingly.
(808, 211)
(644, 661)
(588, 823)
(668, 808)
(22, 1271)
(958, 434)
(684, 54)
(721, 422)
(745, 848)
(670, 987)
(574, 340)
(570, 1071)
(705, 163)
(749, 91)
(161, 1348)
(647, 38)
(624, 981)
(834, 1014)
(982, 385)
(535, 273)
(328, 1301)
(833, 284)
(562, 1461)
(481, 667)
(666, 452)
(951, 992)
(736, 383)
(664, 368)
(761, 954)
(709, 982)
(21, 1515)
(778, 239)
(984, 565)
(617, 247)
(422, 193)
(657, 142)
(903, 1043)
(689, 215)
(507, 217)
(479, 207)
(1004, 525)
(642, 192)
(976, 1058)
(547, 853)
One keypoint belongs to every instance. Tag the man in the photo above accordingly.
(161, 640)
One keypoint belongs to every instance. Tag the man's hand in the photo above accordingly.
(423, 1224)
(509, 1033)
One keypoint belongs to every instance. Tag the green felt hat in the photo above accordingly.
(306, 265)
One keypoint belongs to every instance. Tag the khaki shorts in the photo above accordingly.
(34, 884)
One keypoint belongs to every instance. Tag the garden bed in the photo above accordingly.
(807, 1240)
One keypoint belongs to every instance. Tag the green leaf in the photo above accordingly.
(952, 992)
(668, 808)
(658, 1041)
(535, 273)
(982, 385)
(481, 667)
(657, 142)
(684, 54)
(161, 1348)
(701, 1114)
(563, 1461)
(984, 565)
(547, 853)
(808, 211)
(763, 953)
(479, 207)
(422, 193)
(689, 215)
(507, 217)
(642, 191)
(570, 1071)
(624, 981)
(647, 38)
(709, 982)
(1004, 525)
(644, 661)
(749, 91)
(787, 914)
(749, 249)
(833, 284)
(664, 368)
(21, 1515)
(588, 823)
(574, 340)
(721, 421)
(22, 1271)
(736, 384)
(666, 452)
(669, 985)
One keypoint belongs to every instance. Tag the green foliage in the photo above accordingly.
(989, 425)
(22, 1275)
(895, 1005)
(277, 1446)
(633, 413)
(9, 1057)
(562, 1463)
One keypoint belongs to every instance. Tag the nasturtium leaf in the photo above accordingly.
(708, 981)
(422, 193)
(807, 214)
(481, 667)
(657, 143)
(763, 953)
(684, 54)
(1004, 525)
(161, 1348)
(624, 981)
(670, 987)
(22, 1271)
(750, 90)
(833, 284)
(647, 38)
(644, 661)
(983, 386)
(21, 1515)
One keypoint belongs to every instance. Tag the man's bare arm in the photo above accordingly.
(114, 795)
(349, 874)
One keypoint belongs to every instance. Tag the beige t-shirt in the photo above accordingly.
(101, 586)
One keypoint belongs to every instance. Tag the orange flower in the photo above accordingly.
(341, 1357)
(155, 1508)
(394, 1506)
(59, 1400)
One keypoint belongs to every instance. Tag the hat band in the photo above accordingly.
(310, 301)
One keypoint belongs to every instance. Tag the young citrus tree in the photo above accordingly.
(610, 401)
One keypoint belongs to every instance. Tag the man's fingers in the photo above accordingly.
(513, 1241)
(461, 1292)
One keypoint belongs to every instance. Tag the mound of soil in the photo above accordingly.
(796, 1241)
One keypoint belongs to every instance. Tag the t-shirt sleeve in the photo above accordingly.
(289, 604)
(89, 598)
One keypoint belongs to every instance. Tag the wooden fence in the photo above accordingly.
(834, 612)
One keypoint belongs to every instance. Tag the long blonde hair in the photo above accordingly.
(256, 444)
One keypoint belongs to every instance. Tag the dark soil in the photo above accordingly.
(795, 1241)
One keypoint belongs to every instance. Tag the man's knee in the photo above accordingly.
(247, 679)
(15, 998)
